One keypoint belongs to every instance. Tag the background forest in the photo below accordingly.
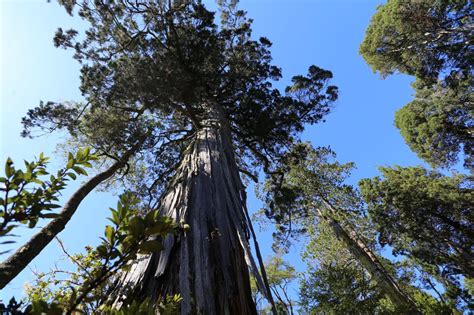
(309, 158)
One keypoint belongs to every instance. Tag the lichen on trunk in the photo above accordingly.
(207, 264)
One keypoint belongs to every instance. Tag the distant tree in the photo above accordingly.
(431, 40)
(201, 96)
(336, 283)
(423, 38)
(427, 216)
(311, 189)
(424, 214)
(280, 274)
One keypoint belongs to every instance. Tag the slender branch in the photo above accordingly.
(261, 264)
(78, 263)
(249, 174)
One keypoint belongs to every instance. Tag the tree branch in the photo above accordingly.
(18, 261)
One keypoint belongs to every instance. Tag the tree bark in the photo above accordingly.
(18, 261)
(207, 264)
(370, 263)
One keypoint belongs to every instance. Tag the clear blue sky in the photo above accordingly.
(304, 32)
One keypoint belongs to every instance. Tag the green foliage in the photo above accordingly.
(335, 283)
(86, 289)
(420, 37)
(30, 195)
(423, 213)
(438, 124)
(430, 40)
(337, 289)
(427, 216)
(307, 179)
(279, 274)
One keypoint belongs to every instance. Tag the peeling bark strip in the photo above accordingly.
(371, 263)
(208, 263)
(18, 261)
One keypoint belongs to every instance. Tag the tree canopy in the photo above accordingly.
(431, 40)
(421, 38)
(156, 69)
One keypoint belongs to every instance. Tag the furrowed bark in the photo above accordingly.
(208, 264)
(18, 261)
(370, 262)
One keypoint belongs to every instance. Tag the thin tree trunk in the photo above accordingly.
(370, 262)
(18, 261)
(208, 263)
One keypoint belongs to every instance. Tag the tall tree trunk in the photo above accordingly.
(370, 263)
(208, 263)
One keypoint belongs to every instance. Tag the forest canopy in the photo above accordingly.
(183, 109)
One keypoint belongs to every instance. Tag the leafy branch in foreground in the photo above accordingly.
(18, 261)
(86, 289)
(28, 197)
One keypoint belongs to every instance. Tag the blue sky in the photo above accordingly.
(326, 33)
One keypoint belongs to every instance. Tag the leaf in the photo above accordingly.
(136, 226)
(9, 170)
(72, 175)
(86, 164)
(69, 164)
(101, 250)
(79, 155)
(32, 223)
(70, 160)
(51, 206)
(79, 170)
(109, 233)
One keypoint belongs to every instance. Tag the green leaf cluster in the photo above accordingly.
(420, 37)
(31, 194)
(86, 290)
